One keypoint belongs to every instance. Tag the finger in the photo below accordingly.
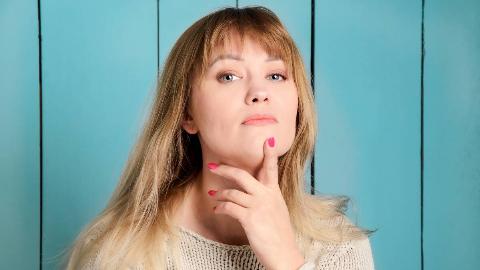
(231, 209)
(268, 174)
(242, 178)
(236, 196)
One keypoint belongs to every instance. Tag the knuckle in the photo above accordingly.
(263, 193)
(227, 206)
(235, 174)
(242, 174)
(235, 171)
(229, 193)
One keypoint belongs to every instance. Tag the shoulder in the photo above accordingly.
(349, 255)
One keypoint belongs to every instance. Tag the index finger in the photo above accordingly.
(241, 177)
(269, 172)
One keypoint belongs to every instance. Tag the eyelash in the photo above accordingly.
(221, 75)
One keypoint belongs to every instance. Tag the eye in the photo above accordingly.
(226, 77)
(277, 77)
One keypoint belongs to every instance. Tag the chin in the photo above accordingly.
(282, 151)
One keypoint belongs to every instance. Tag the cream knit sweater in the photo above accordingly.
(198, 252)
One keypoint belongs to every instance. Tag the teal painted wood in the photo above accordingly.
(452, 135)
(295, 17)
(19, 136)
(297, 20)
(367, 79)
(99, 67)
(176, 16)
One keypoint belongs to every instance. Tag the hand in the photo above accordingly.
(261, 211)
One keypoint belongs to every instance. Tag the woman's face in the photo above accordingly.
(241, 82)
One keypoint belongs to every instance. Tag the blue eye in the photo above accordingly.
(276, 76)
(226, 77)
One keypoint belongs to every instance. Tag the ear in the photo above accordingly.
(188, 124)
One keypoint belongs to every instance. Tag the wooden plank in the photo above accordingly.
(367, 79)
(452, 135)
(19, 143)
(100, 65)
(177, 16)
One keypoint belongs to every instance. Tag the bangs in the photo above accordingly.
(260, 26)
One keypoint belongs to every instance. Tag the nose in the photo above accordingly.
(257, 94)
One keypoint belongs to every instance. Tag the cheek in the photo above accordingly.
(289, 115)
(215, 118)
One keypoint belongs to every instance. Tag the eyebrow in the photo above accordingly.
(238, 58)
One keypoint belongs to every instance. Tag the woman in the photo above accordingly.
(216, 179)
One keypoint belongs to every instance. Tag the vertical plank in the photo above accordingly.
(452, 135)
(297, 20)
(99, 66)
(176, 16)
(19, 141)
(367, 79)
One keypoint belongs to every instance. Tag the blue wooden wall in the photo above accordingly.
(452, 135)
(19, 136)
(367, 62)
(399, 130)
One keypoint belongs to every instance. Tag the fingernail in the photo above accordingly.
(212, 192)
(212, 166)
(271, 141)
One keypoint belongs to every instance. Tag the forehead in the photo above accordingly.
(233, 40)
(235, 46)
(235, 50)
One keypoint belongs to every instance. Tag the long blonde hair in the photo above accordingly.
(137, 227)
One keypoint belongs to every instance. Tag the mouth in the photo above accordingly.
(259, 120)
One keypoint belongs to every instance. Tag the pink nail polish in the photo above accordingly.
(271, 141)
(212, 192)
(212, 166)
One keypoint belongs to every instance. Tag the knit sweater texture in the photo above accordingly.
(198, 252)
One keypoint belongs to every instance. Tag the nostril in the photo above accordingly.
(255, 99)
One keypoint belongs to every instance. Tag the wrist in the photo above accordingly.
(294, 261)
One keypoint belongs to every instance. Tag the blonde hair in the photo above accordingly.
(137, 227)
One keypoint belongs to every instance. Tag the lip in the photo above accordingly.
(259, 119)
